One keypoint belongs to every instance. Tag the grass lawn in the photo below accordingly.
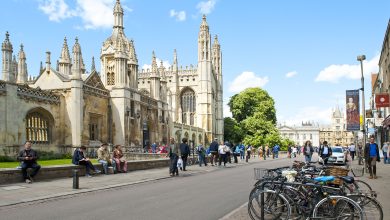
(43, 163)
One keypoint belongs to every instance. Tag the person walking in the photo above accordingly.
(248, 153)
(154, 148)
(308, 151)
(185, 152)
(325, 152)
(267, 150)
(214, 152)
(275, 151)
(294, 152)
(236, 153)
(371, 153)
(28, 158)
(242, 151)
(352, 150)
(201, 154)
(385, 150)
(173, 153)
(222, 149)
(289, 150)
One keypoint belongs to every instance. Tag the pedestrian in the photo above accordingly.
(260, 152)
(242, 151)
(228, 152)
(28, 158)
(214, 152)
(201, 154)
(385, 150)
(222, 149)
(352, 150)
(294, 152)
(120, 161)
(236, 153)
(154, 147)
(79, 158)
(308, 151)
(248, 153)
(173, 153)
(185, 152)
(325, 152)
(275, 151)
(371, 152)
(289, 150)
(267, 150)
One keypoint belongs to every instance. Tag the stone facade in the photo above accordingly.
(308, 131)
(336, 133)
(68, 106)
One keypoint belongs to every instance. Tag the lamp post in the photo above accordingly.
(361, 58)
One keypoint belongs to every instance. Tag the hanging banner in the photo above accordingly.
(352, 107)
(382, 100)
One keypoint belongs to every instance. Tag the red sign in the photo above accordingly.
(382, 100)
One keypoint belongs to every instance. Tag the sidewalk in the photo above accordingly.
(20, 193)
(380, 185)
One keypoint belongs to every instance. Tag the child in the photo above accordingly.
(348, 160)
(180, 164)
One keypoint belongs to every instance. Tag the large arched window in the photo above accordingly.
(188, 105)
(38, 126)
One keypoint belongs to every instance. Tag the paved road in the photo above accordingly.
(202, 196)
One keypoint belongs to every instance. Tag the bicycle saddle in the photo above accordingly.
(347, 179)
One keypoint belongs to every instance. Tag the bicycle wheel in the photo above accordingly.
(338, 207)
(275, 206)
(371, 207)
(363, 187)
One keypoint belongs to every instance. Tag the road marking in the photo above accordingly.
(9, 188)
(230, 214)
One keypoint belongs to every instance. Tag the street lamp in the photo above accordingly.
(361, 58)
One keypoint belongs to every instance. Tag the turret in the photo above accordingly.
(118, 15)
(6, 49)
(77, 59)
(155, 79)
(175, 65)
(217, 58)
(14, 71)
(48, 67)
(93, 68)
(65, 63)
(204, 45)
(22, 67)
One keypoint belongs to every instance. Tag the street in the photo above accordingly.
(201, 196)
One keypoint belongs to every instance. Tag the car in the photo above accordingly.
(338, 156)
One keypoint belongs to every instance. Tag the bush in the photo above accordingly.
(45, 155)
(7, 159)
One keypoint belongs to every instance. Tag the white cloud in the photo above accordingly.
(206, 7)
(57, 10)
(179, 15)
(247, 80)
(94, 13)
(309, 113)
(291, 74)
(166, 64)
(335, 72)
(226, 109)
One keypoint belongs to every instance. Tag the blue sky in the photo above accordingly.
(302, 52)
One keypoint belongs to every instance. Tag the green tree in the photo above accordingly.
(232, 131)
(251, 101)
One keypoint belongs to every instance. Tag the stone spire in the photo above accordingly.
(40, 68)
(93, 68)
(48, 67)
(64, 65)
(204, 26)
(22, 67)
(14, 68)
(204, 42)
(6, 49)
(154, 63)
(77, 60)
(118, 15)
(175, 65)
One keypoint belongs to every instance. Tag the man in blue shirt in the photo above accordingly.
(371, 153)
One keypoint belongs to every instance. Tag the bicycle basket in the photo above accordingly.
(260, 173)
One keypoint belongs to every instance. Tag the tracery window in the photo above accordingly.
(110, 79)
(188, 105)
(38, 128)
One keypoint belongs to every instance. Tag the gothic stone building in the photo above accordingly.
(67, 106)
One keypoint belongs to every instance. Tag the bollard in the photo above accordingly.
(75, 179)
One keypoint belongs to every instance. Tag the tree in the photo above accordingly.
(233, 132)
(251, 101)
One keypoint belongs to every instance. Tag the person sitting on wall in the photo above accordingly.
(120, 161)
(105, 159)
(80, 159)
(28, 158)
